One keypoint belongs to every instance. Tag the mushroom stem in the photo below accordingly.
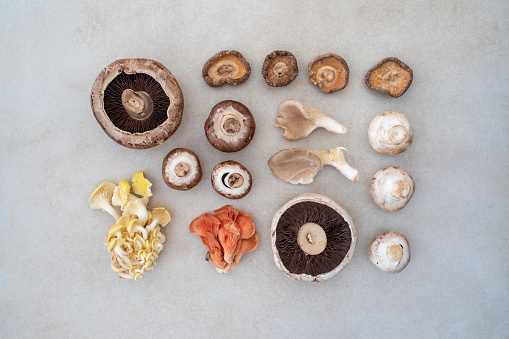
(321, 120)
(281, 69)
(336, 159)
(396, 252)
(112, 211)
(139, 105)
(327, 74)
(397, 134)
(400, 189)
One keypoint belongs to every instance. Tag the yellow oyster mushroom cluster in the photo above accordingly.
(136, 239)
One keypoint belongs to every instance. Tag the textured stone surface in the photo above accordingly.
(55, 279)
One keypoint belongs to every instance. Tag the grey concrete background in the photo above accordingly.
(55, 279)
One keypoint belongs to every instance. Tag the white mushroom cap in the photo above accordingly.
(181, 169)
(392, 188)
(231, 180)
(390, 133)
(390, 252)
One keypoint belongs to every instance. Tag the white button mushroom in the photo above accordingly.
(390, 252)
(390, 133)
(392, 188)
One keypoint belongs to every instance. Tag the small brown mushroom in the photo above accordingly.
(230, 126)
(390, 133)
(390, 76)
(181, 169)
(231, 180)
(329, 71)
(390, 252)
(228, 67)
(137, 102)
(392, 188)
(280, 68)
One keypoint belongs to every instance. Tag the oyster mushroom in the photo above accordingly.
(313, 237)
(392, 188)
(329, 71)
(299, 166)
(230, 126)
(137, 102)
(100, 199)
(390, 133)
(390, 76)
(228, 67)
(181, 169)
(279, 68)
(231, 180)
(299, 121)
(390, 252)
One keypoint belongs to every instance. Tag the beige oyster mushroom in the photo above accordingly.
(228, 67)
(181, 169)
(100, 199)
(313, 237)
(231, 180)
(299, 121)
(299, 165)
(390, 252)
(329, 71)
(390, 133)
(392, 188)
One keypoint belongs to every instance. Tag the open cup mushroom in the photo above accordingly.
(390, 133)
(313, 237)
(228, 67)
(299, 121)
(230, 126)
(392, 188)
(390, 252)
(231, 180)
(299, 166)
(181, 169)
(137, 102)
(279, 68)
(329, 71)
(390, 76)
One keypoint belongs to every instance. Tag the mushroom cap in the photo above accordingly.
(162, 214)
(392, 188)
(230, 126)
(390, 133)
(146, 76)
(295, 165)
(340, 231)
(329, 71)
(104, 192)
(292, 117)
(274, 71)
(390, 76)
(228, 67)
(187, 179)
(223, 177)
(382, 255)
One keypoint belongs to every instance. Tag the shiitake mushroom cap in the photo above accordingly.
(276, 77)
(337, 67)
(390, 76)
(337, 224)
(238, 69)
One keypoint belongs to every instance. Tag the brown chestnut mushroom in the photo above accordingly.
(231, 180)
(313, 237)
(390, 252)
(280, 68)
(390, 76)
(137, 102)
(230, 126)
(392, 188)
(228, 67)
(329, 71)
(390, 133)
(181, 169)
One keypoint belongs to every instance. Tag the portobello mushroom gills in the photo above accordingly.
(136, 103)
(338, 238)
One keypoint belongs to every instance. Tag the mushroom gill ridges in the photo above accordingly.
(336, 228)
(137, 82)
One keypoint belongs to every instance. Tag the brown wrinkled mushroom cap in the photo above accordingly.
(280, 68)
(321, 212)
(329, 71)
(390, 76)
(181, 169)
(390, 252)
(230, 126)
(231, 180)
(137, 102)
(228, 67)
